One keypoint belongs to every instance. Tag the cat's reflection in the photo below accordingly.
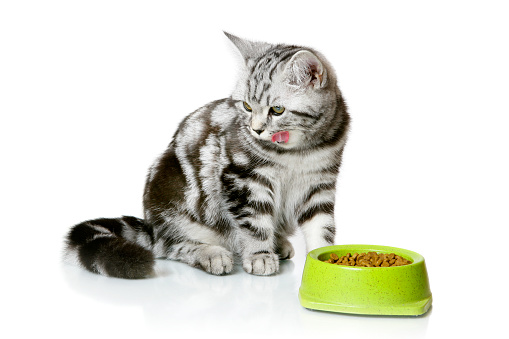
(179, 293)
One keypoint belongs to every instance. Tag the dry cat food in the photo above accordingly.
(370, 259)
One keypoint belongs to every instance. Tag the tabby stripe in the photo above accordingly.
(223, 227)
(244, 173)
(261, 207)
(139, 226)
(180, 248)
(343, 120)
(326, 207)
(238, 198)
(287, 56)
(266, 87)
(318, 188)
(330, 233)
(200, 203)
(231, 102)
(334, 168)
(194, 157)
(271, 73)
(83, 233)
(260, 68)
(256, 64)
(260, 179)
(306, 115)
(114, 225)
(168, 241)
(257, 233)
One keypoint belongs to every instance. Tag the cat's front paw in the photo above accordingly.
(261, 263)
(216, 260)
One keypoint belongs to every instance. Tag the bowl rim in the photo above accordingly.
(415, 257)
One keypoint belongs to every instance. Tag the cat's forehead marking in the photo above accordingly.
(263, 69)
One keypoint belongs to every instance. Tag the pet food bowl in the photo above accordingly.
(399, 290)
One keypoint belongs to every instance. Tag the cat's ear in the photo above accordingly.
(248, 49)
(305, 70)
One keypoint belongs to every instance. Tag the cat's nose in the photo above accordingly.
(258, 131)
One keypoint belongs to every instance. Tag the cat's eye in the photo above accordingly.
(277, 110)
(247, 107)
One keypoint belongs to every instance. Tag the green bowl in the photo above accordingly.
(400, 290)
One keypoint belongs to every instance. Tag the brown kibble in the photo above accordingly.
(370, 259)
(400, 261)
(363, 262)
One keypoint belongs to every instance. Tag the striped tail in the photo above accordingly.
(113, 247)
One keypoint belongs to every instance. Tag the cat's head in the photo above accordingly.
(287, 94)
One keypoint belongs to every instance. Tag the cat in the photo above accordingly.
(240, 175)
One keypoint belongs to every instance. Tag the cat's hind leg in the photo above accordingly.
(183, 238)
(284, 248)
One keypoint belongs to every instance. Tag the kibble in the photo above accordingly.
(370, 259)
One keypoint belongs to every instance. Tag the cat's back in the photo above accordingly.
(212, 120)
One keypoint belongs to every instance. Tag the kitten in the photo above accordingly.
(240, 176)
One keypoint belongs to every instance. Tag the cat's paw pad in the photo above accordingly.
(285, 250)
(261, 264)
(216, 260)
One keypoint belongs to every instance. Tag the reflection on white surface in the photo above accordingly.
(185, 299)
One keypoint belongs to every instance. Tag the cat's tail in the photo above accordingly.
(112, 247)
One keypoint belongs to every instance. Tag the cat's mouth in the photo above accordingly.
(281, 137)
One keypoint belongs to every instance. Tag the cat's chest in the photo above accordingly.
(294, 177)
(290, 186)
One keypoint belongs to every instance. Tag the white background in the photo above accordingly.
(92, 91)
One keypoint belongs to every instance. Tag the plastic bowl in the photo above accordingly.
(400, 290)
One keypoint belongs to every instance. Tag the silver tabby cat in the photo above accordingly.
(240, 176)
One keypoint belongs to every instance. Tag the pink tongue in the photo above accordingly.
(281, 137)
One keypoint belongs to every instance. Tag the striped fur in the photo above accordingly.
(222, 190)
